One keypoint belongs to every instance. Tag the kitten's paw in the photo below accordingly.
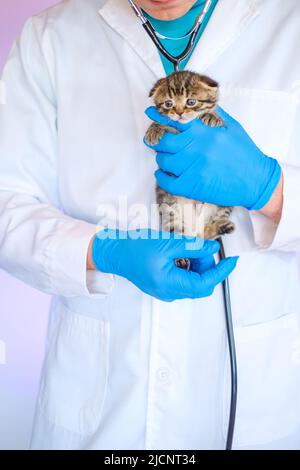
(154, 134)
(183, 263)
(217, 229)
(226, 227)
(212, 120)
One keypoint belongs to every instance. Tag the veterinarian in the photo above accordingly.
(125, 368)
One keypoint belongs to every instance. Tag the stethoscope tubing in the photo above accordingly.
(232, 354)
(154, 36)
(175, 60)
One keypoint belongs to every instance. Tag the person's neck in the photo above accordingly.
(167, 14)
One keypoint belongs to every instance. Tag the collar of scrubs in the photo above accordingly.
(228, 22)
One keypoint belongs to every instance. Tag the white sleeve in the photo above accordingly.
(39, 244)
(284, 236)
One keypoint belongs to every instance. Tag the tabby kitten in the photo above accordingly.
(185, 96)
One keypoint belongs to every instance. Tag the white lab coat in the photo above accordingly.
(123, 370)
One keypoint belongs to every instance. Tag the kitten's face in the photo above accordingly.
(185, 96)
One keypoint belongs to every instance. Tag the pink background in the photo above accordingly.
(23, 311)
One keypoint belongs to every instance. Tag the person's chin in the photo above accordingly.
(164, 3)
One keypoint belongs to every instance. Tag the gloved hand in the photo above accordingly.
(220, 165)
(146, 258)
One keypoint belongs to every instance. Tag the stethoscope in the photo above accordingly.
(155, 36)
(176, 61)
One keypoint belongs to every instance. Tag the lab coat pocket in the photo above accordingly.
(268, 406)
(267, 115)
(75, 373)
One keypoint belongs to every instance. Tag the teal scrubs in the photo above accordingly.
(177, 28)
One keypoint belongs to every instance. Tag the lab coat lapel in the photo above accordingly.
(119, 15)
(229, 20)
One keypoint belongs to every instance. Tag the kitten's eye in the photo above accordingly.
(169, 104)
(191, 102)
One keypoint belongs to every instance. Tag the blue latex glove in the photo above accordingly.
(146, 258)
(220, 165)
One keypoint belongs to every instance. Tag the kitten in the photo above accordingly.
(185, 96)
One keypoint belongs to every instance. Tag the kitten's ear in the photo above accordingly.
(156, 87)
(152, 92)
(211, 87)
(209, 82)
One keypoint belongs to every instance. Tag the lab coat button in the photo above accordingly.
(163, 375)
